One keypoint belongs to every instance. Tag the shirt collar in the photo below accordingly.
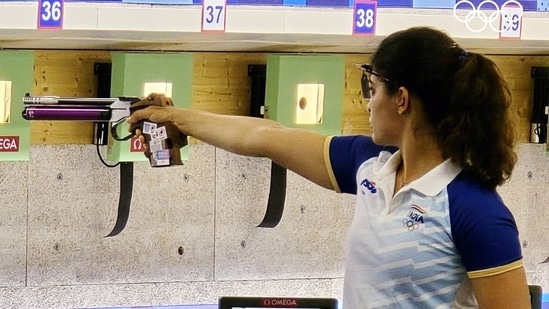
(387, 163)
(429, 184)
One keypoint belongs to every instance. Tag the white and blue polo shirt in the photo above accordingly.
(418, 248)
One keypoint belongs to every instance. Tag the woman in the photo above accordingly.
(429, 229)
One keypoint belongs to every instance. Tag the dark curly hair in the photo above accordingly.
(464, 96)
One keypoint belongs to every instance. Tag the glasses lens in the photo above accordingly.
(365, 83)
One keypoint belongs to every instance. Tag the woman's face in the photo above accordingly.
(383, 110)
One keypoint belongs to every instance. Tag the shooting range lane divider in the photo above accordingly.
(277, 196)
(125, 198)
(540, 109)
(290, 89)
(277, 189)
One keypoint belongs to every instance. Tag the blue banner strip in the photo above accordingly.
(528, 5)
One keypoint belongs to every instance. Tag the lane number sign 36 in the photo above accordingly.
(50, 14)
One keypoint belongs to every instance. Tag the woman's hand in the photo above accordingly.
(157, 108)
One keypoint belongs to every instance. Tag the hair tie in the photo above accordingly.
(463, 54)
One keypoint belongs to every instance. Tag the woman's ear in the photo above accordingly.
(403, 101)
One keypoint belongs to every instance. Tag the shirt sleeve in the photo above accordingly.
(483, 229)
(344, 156)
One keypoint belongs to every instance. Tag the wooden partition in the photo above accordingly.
(222, 85)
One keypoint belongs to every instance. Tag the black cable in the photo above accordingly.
(103, 161)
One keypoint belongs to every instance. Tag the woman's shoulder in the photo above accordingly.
(360, 143)
(468, 198)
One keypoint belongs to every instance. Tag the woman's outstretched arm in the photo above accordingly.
(298, 150)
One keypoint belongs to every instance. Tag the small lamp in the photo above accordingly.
(310, 104)
(5, 101)
(164, 88)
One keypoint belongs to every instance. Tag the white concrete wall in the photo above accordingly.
(57, 208)
(527, 195)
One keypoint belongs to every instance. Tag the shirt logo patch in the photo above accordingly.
(414, 219)
(370, 185)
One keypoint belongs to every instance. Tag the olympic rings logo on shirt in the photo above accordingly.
(509, 21)
(410, 225)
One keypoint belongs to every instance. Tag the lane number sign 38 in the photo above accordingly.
(364, 17)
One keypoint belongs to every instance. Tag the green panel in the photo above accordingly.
(17, 67)
(285, 72)
(130, 71)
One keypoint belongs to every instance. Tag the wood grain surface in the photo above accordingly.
(221, 85)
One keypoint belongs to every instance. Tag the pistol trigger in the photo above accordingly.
(137, 126)
(114, 131)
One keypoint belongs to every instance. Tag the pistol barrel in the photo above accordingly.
(82, 113)
(54, 100)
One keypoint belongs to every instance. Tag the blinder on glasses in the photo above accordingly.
(365, 79)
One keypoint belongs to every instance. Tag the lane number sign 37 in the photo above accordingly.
(213, 15)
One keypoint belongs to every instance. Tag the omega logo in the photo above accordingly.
(9, 143)
(286, 302)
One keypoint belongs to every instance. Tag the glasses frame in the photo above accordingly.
(365, 79)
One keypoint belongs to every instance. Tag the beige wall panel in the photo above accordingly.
(73, 201)
(221, 83)
(61, 132)
(516, 70)
(354, 118)
(65, 73)
(13, 223)
(309, 241)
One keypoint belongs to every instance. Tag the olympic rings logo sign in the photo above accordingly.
(488, 13)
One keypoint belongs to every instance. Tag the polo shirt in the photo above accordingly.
(417, 248)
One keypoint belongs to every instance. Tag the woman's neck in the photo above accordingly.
(420, 154)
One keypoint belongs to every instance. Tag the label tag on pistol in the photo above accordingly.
(161, 157)
(159, 134)
(149, 127)
(156, 138)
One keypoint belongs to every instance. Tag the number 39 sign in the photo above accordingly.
(364, 18)
(50, 14)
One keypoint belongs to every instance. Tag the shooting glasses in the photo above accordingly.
(368, 70)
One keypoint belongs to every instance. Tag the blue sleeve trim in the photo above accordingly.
(483, 228)
(347, 153)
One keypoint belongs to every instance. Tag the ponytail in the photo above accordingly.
(478, 133)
